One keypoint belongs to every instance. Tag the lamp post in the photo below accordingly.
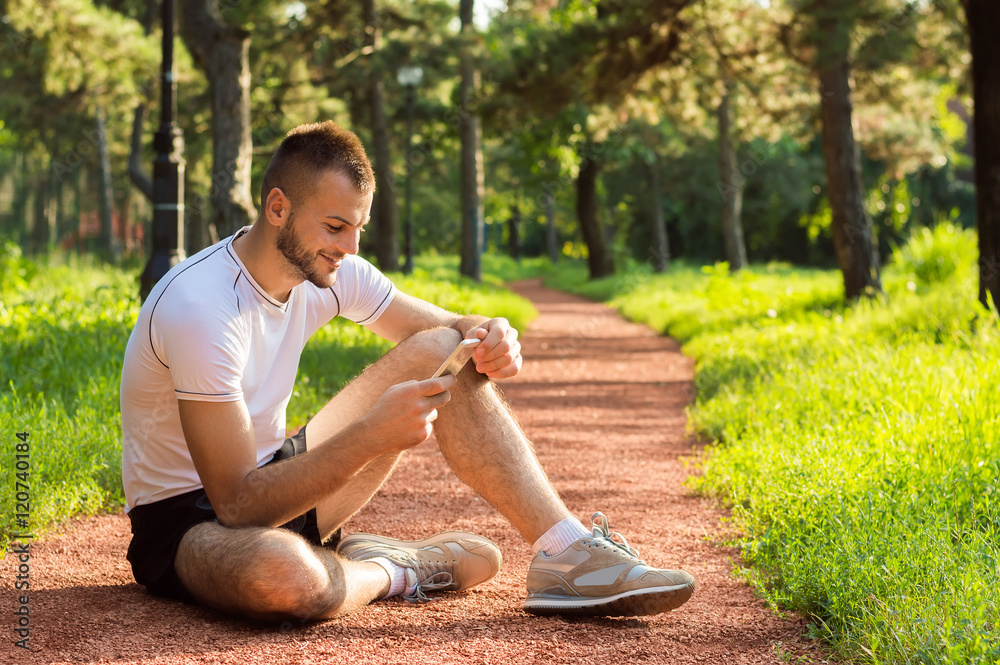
(409, 78)
(168, 169)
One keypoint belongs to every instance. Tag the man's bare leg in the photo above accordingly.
(476, 432)
(272, 574)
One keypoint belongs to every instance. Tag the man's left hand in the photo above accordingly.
(499, 354)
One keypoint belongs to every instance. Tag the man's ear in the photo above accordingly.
(277, 208)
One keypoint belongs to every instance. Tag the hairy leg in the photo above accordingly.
(477, 433)
(414, 358)
(272, 574)
(487, 449)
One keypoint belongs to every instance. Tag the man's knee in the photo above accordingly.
(426, 350)
(288, 579)
(267, 574)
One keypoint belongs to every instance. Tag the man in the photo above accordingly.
(227, 512)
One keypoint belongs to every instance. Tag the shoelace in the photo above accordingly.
(602, 531)
(430, 581)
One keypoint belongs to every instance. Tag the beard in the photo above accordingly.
(304, 265)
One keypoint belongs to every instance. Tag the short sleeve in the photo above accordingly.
(362, 291)
(203, 348)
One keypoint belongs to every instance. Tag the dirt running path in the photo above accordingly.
(603, 400)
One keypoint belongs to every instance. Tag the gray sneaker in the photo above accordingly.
(449, 561)
(603, 576)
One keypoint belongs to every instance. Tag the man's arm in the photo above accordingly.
(499, 356)
(221, 440)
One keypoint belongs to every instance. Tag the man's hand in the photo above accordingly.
(499, 356)
(404, 416)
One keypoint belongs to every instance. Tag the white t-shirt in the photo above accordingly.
(209, 332)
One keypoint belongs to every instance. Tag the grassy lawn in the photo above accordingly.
(858, 446)
(65, 324)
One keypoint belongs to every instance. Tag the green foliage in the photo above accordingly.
(65, 327)
(856, 446)
(934, 256)
(65, 330)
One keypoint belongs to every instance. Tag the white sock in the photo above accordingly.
(560, 536)
(397, 575)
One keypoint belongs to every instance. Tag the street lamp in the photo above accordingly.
(409, 78)
(168, 169)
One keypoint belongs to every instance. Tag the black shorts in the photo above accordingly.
(157, 529)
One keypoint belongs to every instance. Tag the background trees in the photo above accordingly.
(811, 131)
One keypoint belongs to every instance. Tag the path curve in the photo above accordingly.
(603, 400)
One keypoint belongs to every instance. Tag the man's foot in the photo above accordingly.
(598, 576)
(449, 561)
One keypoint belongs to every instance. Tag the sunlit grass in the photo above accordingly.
(856, 445)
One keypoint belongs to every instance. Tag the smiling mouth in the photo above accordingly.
(333, 263)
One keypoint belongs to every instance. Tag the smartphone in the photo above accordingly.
(458, 358)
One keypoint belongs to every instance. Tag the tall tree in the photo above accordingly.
(660, 249)
(221, 50)
(105, 196)
(830, 27)
(599, 259)
(472, 151)
(982, 17)
(732, 195)
(386, 217)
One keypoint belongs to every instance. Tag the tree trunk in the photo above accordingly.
(853, 241)
(552, 235)
(59, 202)
(105, 195)
(982, 17)
(136, 172)
(19, 205)
(598, 258)
(659, 251)
(472, 152)
(731, 188)
(41, 233)
(387, 213)
(513, 233)
(222, 52)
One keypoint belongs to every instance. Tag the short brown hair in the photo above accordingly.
(307, 152)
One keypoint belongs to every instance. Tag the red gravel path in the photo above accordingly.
(603, 400)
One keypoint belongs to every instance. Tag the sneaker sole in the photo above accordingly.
(640, 602)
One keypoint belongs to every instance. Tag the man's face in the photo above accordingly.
(323, 228)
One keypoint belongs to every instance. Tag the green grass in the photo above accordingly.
(858, 446)
(65, 325)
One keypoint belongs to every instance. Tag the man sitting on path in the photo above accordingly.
(229, 513)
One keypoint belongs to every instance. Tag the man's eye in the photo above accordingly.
(334, 229)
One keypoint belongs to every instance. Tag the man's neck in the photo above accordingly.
(264, 263)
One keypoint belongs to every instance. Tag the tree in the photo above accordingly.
(830, 27)
(386, 217)
(732, 196)
(472, 151)
(853, 237)
(599, 259)
(982, 17)
(221, 50)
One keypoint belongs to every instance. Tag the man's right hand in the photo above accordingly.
(404, 416)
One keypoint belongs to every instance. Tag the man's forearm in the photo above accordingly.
(276, 493)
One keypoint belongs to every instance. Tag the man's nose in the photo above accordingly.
(350, 243)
